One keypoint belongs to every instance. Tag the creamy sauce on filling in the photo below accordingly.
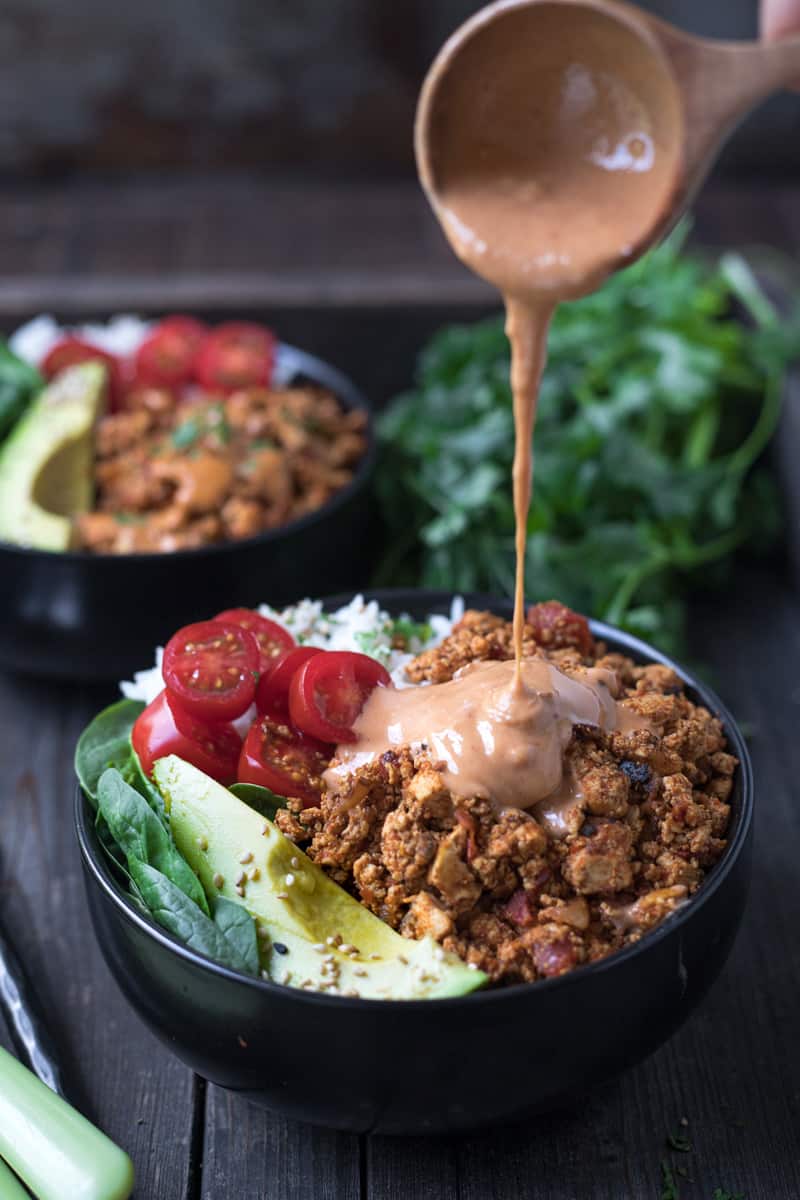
(499, 735)
(555, 145)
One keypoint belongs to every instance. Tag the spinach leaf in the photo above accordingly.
(173, 909)
(656, 405)
(19, 383)
(105, 742)
(260, 798)
(141, 835)
(239, 929)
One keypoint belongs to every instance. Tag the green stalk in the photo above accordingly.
(10, 1186)
(53, 1149)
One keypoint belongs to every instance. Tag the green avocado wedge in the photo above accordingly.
(46, 461)
(240, 854)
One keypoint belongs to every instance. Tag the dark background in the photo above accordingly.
(310, 87)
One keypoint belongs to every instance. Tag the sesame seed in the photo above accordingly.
(402, 958)
(240, 878)
(264, 829)
(439, 955)
(239, 890)
(353, 994)
(202, 842)
(361, 972)
(295, 861)
(281, 948)
(290, 880)
(246, 857)
(472, 966)
(265, 976)
(376, 957)
(286, 976)
(218, 880)
(282, 896)
(346, 948)
(329, 958)
(254, 873)
(319, 947)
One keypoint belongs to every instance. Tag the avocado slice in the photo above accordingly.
(297, 908)
(46, 461)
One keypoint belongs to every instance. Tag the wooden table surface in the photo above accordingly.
(733, 1072)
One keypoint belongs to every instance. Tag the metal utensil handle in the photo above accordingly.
(27, 1027)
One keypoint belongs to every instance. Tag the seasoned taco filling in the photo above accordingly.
(610, 837)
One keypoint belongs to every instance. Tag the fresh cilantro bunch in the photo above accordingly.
(657, 403)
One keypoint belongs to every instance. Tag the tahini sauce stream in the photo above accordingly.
(554, 144)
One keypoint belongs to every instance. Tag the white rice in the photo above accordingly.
(360, 625)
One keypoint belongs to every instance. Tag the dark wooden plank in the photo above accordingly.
(236, 241)
(732, 1071)
(115, 1070)
(249, 1153)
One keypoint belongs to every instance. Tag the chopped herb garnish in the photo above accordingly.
(218, 423)
(186, 434)
(677, 1141)
(410, 630)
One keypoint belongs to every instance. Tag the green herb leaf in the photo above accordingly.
(260, 798)
(173, 909)
(239, 930)
(186, 434)
(141, 835)
(19, 383)
(656, 406)
(104, 743)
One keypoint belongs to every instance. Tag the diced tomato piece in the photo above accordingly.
(328, 692)
(211, 669)
(164, 728)
(167, 356)
(556, 626)
(273, 640)
(236, 354)
(279, 757)
(72, 350)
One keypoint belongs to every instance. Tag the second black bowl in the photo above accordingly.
(98, 616)
(429, 1066)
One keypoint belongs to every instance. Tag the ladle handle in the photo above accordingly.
(721, 82)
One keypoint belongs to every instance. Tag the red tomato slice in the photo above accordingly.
(166, 356)
(554, 625)
(164, 728)
(236, 354)
(328, 692)
(211, 669)
(71, 351)
(272, 693)
(273, 640)
(281, 758)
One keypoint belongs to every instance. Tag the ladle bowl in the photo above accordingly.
(559, 139)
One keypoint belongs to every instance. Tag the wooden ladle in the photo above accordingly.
(558, 139)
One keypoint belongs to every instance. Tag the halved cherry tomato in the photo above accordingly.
(280, 757)
(273, 640)
(211, 669)
(272, 693)
(236, 354)
(166, 357)
(328, 692)
(164, 728)
(70, 351)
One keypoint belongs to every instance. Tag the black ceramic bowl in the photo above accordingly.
(87, 616)
(429, 1065)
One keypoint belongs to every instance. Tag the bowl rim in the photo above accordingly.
(113, 891)
(320, 372)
